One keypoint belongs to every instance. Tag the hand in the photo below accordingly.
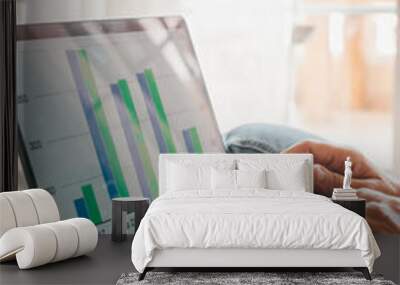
(381, 192)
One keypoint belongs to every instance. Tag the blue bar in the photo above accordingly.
(152, 113)
(188, 141)
(91, 120)
(130, 138)
(80, 207)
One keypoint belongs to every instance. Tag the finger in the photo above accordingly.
(395, 205)
(325, 180)
(382, 218)
(333, 157)
(393, 181)
(377, 226)
(373, 185)
(375, 195)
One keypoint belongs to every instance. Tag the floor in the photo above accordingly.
(102, 266)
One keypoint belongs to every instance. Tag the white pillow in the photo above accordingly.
(227, 179)
(280, 181)
(251, 178)
(281, 174)
(187, 177)
(223, 179)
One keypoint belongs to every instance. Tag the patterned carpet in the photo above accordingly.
(225, 278)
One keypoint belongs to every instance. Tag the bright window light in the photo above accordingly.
(385, 34)
(336, 37)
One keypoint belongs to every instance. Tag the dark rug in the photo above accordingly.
(225, 278)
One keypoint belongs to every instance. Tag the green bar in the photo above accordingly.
(103, 125)
(137, 131)
(162, 116)
(91, 203)
(196, 140)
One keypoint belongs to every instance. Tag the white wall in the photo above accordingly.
(242, 46)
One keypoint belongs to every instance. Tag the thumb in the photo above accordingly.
(325, 180)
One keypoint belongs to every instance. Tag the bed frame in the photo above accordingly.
(242, 259)
(246, 259)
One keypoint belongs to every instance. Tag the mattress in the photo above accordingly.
(250, 219)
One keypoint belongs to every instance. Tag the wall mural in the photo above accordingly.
(98, 101)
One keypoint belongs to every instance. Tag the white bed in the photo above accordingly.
(250, 227)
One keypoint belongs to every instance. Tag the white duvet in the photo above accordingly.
(250, 219)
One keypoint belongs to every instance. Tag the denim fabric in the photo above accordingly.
(263, 138)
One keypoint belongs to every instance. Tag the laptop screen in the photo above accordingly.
(98, 101)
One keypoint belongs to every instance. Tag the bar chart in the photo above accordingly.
(135, 139)
(192, 140)
(100, 109)
(87, 205)
(97, 122)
